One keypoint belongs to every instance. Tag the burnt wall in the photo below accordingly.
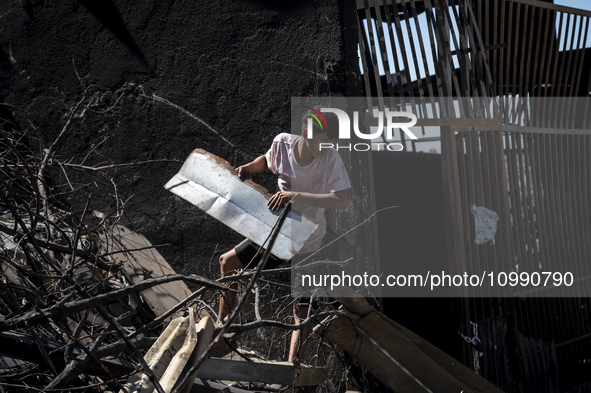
(153, 80)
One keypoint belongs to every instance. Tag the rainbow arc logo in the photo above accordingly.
(317, 116)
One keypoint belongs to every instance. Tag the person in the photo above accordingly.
(319, 179)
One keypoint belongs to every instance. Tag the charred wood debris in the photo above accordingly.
(81, 296)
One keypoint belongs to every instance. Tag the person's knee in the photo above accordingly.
(229, 263)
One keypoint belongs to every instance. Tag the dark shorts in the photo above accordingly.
(246, 251)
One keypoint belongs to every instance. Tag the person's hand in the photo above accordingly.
(278, 200)
(243, 172)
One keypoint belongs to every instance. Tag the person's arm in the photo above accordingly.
(331, 200)
(257, 166)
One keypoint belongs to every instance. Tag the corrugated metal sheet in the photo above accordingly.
(212, 185)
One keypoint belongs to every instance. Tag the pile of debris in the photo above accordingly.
(84, 317)
(86, 304)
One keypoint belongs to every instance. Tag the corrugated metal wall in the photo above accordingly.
(525, 158)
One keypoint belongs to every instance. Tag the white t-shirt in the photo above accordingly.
(323, 175)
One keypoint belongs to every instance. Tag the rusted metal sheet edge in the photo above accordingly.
(211, 184)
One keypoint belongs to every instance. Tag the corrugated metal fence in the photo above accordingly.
(525, 158)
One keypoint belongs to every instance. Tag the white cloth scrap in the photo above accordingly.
(485, 222)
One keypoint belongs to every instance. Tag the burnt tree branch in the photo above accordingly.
(41, 316)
